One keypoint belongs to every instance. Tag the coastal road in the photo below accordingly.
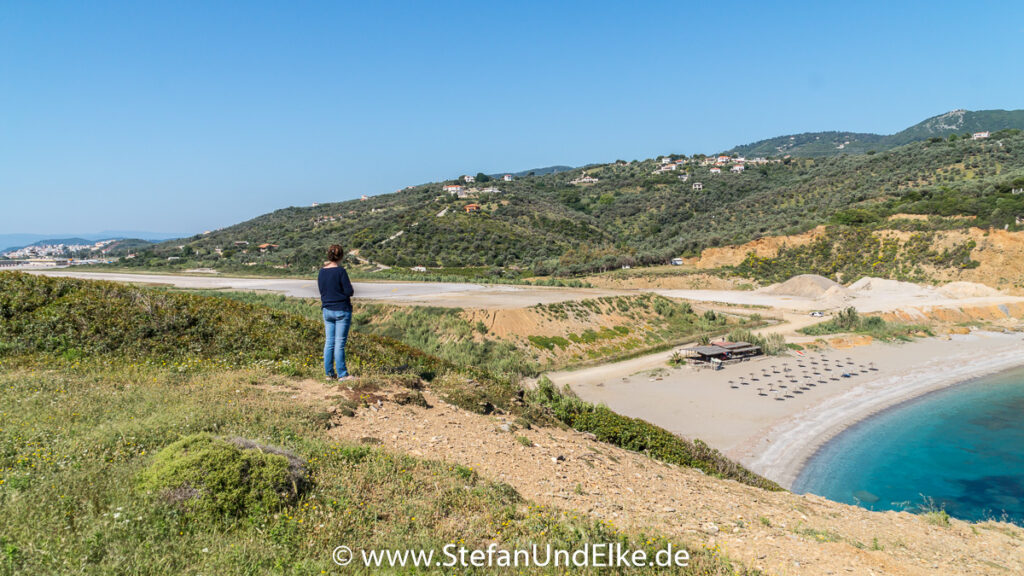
(452, 295)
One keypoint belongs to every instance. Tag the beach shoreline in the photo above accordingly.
(733, 411)
(799, 439)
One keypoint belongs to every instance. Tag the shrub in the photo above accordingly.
(849, 320)
(548, 342)
(937, 517)
(771, 344)
(66, 316)
(216, 479)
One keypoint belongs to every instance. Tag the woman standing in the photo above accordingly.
(335, 300)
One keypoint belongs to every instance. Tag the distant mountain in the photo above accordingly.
(136, 234)
(535, 171)
(65, 241)
(817, 144)
(15, 241)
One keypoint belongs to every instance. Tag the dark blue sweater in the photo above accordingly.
(335, 289)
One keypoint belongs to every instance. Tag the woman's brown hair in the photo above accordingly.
(335, 253)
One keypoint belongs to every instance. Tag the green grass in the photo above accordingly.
(438, 331)
(76, 317)
(445, 333)
(78, 443)
(80, 321)
(548, 342)
(933, 513)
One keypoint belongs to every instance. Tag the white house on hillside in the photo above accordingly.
(737, 168)
(584, 179)
(469, 179)
(507, 177)
(979, 135)
(698, 186)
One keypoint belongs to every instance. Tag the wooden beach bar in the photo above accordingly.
(719, 353)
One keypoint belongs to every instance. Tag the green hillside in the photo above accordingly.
(816, 144)
(631, 216)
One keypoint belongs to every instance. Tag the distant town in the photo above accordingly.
(41, 255)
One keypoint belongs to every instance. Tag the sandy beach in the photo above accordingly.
(773, 413)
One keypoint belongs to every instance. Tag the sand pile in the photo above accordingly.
(884, 287)
(967, 290)
(807, 286)
(875, 287)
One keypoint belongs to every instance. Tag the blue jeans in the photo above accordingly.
(336, 323)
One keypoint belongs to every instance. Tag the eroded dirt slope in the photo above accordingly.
(781, 533)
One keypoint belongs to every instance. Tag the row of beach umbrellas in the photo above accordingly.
(785, 381)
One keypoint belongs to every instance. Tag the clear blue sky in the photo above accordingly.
(188, 116)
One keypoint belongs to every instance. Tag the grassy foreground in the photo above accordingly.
(101, 435)
(76, 443)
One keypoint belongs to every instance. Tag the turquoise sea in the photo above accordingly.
(961, 448)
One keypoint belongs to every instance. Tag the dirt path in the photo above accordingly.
(781, 533)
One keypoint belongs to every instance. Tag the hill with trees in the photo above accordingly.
(624, 213)
(815, 144)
